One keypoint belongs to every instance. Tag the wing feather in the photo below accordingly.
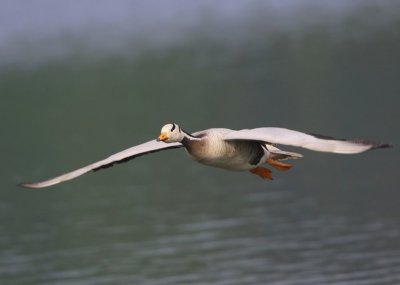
(308, 141)
(125, 155)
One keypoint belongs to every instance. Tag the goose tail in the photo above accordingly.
(277, 154)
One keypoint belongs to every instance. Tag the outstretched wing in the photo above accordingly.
(299, 139)
(123, 156)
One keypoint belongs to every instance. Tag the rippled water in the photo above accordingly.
(241, 235)
(162, 219)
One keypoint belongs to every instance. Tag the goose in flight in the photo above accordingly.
(243, 150)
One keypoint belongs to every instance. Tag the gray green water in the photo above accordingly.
(162, 219)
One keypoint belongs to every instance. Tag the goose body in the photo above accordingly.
(211, 149)
(241, 150)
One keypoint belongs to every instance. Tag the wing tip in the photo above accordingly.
(381, 145)
(372, 144)
(29, 185)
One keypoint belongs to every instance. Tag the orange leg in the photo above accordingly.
(264, 173)
(279, 165)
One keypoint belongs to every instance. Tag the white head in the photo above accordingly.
(171, 133)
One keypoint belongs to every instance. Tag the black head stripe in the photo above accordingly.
(173, 127)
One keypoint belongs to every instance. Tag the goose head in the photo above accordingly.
(171, 133)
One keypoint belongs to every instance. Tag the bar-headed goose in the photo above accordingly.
(247, 149)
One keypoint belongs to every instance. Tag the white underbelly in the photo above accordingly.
(234, 163)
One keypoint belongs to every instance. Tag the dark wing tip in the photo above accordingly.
(381, 145)
(374, 145)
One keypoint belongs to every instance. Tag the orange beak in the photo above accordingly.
(162, 137)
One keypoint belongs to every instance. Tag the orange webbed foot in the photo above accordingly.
(279, 165)
(263, 172)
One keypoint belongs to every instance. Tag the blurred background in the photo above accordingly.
(80, 80)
